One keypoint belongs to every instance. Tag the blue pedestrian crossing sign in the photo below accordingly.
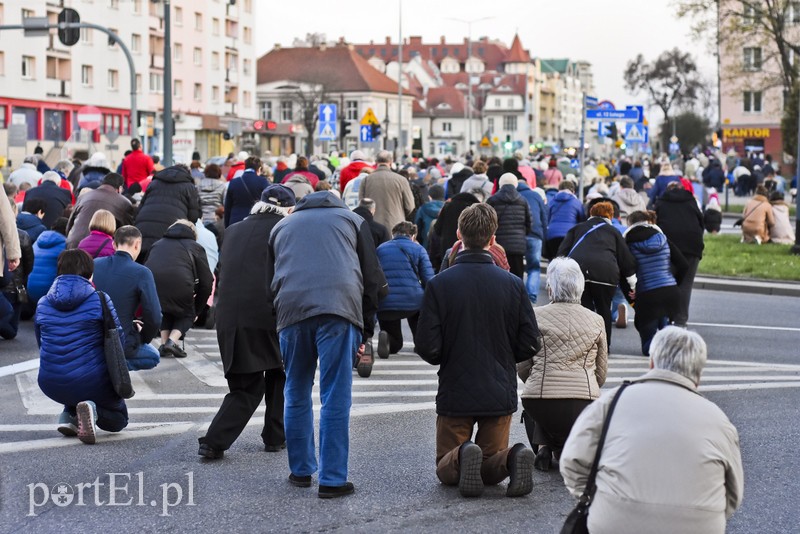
(636, 133)
(327, 122)
(365, 133)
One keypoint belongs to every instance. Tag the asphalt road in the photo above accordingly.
(753, 374)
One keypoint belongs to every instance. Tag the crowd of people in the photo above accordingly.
(453, 247)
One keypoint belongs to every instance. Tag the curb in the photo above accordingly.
(753, 286)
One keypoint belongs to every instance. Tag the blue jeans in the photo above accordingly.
(10, 309)
(533, 257)
(333, 341)
(145, 357)
(618, 299)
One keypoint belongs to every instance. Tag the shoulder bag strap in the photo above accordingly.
(745, 217)
(591, 487)
(108, 320)
(592, 229)
(100, 249)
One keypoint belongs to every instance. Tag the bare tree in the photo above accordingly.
(308, 99)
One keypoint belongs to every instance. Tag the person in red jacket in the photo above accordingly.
(137, 165)
(354, 169)
(238, 166)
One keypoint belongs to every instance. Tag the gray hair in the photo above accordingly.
(52, 176)
(31, 159)
(680, 351)
(384, 156)
(478, 193)
(565, 280)
(367, 203)
(265, 207)
(65, 166)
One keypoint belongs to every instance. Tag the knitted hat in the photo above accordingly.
(507, 179)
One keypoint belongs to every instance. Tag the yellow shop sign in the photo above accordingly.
(745, 133)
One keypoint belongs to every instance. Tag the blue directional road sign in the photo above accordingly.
(365, 134)
(574, 163)
(591, 102)
(641, 112)
(636, 133)
(327, 122)
(623, 115)
(602, 127)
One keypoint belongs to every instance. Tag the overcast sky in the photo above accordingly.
(607, 33)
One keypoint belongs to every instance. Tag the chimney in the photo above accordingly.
(441, 40)
(277, 46)
(323, 46)
(415, 40)
(388, 40)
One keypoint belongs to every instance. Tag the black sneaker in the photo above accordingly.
(331, 492)
(163, 353)
(172, 348)
(274, 448)
(470, 458)
(210, 453)
(543, 459)
(383, 345)
(520, 470)
(300, 481)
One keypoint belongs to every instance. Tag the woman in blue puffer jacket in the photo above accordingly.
(72, 368)
(408, 269)
(660, 267)
(45, 253)
(563, 212)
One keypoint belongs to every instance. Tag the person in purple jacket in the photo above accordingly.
(100, 241)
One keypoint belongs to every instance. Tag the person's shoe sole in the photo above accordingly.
(470, 483)
(331, 492)
(521, 482)
(68, 429)
(210, 454)
(300, 481)
(87, 432)
(383, 345)
(365, 363)
(622, 316)
(274, 448)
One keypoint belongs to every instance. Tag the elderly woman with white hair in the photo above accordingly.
(670, 459)
(566, 375)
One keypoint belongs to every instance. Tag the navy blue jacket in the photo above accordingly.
(538, 210)
(45, 253)
(407, 269)
(243, 192)
(658, 262)
(513, 219)
(31, 225)
(69, 330)
(57, 199)
(713, 175)
(130, 285)
(660, 187)
(565, 212)
(426, 214)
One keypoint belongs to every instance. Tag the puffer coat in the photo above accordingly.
(212, 195)
(45, 252)
(408, 270)
(651, 249)
(564, 212)
(69, 330)
(513, 219)
(573, 360)
(171, 195)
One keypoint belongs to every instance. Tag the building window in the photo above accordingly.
(178, 16)
(28, 13)
(247, 35)
(138, 84)
(510, 123)
(444, 51)
(752, 58)
(215, 60)
(136, 43)
(752, 101)
(497, 103)
(113, 80)
(246, 67)
(248, 99)
(511, 103)
(286, 111)
(198, 22)
(447, 126)
(86, 75)
(113, 4)
(215, 94)
(198, 56)
(198, 92)
(749, 14)
(490, 124)
(351, 110)
(177, 52)
(28, 68)
(156, 82)
(248, 6)
(794, 12)
(86, 36)
(215, 26)
(266, 111)
(137, 7)
(2, 68)
(177, 89)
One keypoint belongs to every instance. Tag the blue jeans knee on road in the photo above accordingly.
(533, 258)
(333, 341)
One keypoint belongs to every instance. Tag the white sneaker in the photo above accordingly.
(87, 418)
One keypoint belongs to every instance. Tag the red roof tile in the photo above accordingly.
(517, 54)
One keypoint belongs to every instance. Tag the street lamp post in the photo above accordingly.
(796, 248)
(167, 130)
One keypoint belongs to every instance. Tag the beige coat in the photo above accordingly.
(783, 231)
(391, 193)
(574, 357)
(671, 462)
(758, 219)
(9, 238)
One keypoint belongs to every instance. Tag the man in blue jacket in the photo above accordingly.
(329, 318)
(536, 236)
(131, 285)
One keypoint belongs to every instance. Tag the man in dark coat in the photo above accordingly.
(106, 197)
(477, 323)
(244, 191)
(458, 175)
(131, 288)
(246, 329)
(446, 225)
(56, 198)
(366, 209)
(514, 222)
(713, 175)
(171, 195)
(682, 222)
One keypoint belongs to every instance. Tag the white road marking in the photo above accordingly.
(203, 369)
(748, 327)
(20, 367)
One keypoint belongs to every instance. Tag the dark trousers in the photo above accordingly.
(390, 322)
(516, 264)
(685, 288)
(549, 421)
(551, 247)
(654, 310)
(492, 438)
(110, 417)
(598, 297)
(246, 392)
(10, 310)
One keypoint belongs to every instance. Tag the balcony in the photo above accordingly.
(231, 77)
(156, 61)
(58, 88)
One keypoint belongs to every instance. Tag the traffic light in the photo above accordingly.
(344, 127)
(376, 131)
(508, 145)
(612, 131)
(71, 36)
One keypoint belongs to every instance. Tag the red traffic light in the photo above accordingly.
(258, 125)
(272, 125)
